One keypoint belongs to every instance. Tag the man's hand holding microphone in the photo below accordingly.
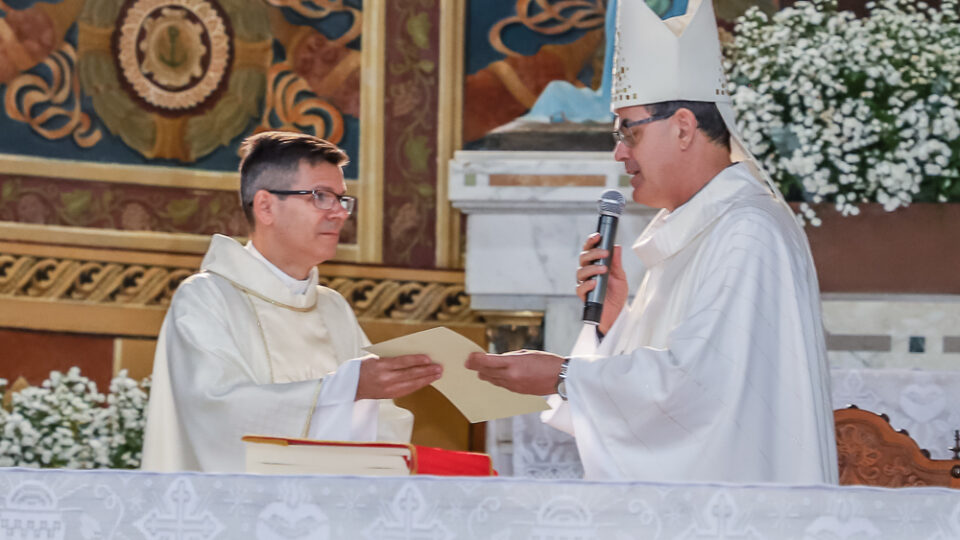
(591, 264)
(601, 284)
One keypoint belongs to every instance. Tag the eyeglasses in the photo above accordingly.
(322, 199)
(622, 132)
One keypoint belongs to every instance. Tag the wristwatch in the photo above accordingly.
(562, 379)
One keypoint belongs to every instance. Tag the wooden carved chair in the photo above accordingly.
(870, 452)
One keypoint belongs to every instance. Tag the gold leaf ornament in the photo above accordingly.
(9, 191)
(76, 203)
(418, 27)
(181, 210)
(417, 153)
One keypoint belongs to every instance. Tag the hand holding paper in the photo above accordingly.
(478, 400)
(524, 372)
(388, 378)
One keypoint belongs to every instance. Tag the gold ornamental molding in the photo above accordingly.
(147, 175)
(449, 127)
(126, 293)
(373, 59)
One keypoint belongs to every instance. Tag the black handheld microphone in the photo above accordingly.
(610, 206)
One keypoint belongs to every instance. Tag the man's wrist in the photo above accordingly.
(562, 379)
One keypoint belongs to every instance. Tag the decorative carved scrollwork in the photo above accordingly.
(100, 282)
(404, 300)
(870, 452)
(88, 281)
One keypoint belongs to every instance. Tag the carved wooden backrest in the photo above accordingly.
(870, 452)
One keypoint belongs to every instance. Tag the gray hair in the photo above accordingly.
(270, 160)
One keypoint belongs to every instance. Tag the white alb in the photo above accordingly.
(239, 353)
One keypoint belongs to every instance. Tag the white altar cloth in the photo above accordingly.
(131, 504)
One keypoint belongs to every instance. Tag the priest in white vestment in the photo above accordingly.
(252, 345)
(717, 371)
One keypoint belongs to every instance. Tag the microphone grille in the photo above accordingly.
(611, 203)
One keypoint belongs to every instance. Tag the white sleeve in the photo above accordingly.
(558, 416)
(368, 419)
(337, 416)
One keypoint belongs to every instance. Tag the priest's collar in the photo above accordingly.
(230, 260)
(670, 232)
(296, 286)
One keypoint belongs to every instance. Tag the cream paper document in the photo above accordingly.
(478, 400)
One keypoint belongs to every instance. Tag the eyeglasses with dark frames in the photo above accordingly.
(322, 198)
(622, 132)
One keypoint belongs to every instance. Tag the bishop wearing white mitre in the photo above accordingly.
(717, 371)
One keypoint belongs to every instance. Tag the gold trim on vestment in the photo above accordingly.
(263, 336)
(251, 292)
(313, 409)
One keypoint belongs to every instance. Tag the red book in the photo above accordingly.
(282, 455)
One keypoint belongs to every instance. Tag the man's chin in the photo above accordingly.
(637, 185)
(326, 247)
(640, 196)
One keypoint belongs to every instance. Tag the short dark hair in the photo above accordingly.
(270, 160)
(708, 117)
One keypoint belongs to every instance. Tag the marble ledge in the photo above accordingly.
(539, 202)
(534, 176)
(509, 302)
(492, 158)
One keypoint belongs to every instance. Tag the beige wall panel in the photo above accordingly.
(77, 317)
(135, 356)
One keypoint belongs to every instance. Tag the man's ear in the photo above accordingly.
(686, 124)
(264, 208)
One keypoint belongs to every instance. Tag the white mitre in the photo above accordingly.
(674, 59)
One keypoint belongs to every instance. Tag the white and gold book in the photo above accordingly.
(282, 455)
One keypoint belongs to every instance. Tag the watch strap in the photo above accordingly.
(562, 379)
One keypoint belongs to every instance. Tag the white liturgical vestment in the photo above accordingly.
(718, 370)
(241, 353)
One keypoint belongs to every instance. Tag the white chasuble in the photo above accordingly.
(717, 371)
(239, 354)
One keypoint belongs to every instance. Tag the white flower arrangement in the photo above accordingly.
(846, 110)
(67, 423)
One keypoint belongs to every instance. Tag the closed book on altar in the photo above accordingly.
(282, 455)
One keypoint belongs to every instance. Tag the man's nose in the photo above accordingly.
(338, 213)
(621, 152)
